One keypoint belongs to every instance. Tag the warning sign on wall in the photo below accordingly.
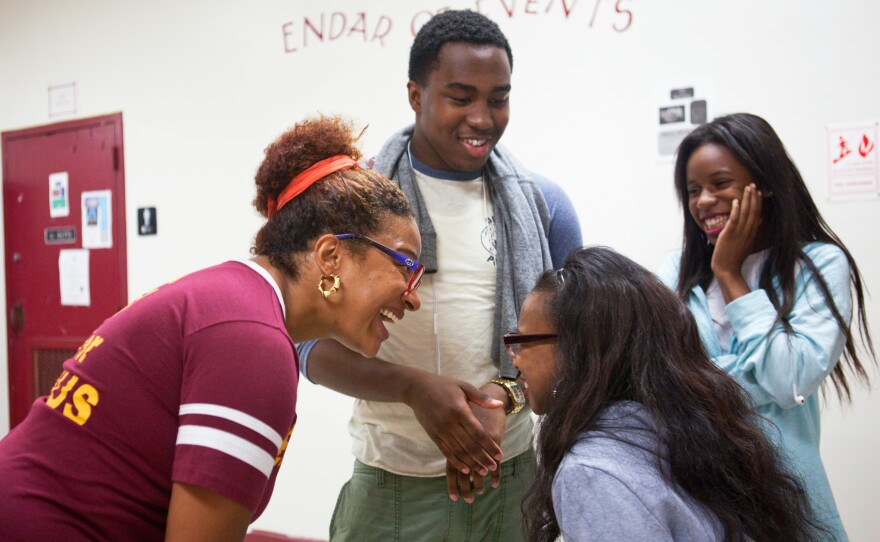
(854, 160)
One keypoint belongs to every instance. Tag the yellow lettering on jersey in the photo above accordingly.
(79, 407)
(280, 457)
(91, 343)
(84, 398)
(53, 400)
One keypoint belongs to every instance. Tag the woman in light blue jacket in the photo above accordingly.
(769, 284)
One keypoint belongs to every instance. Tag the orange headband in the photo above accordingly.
(307, 178)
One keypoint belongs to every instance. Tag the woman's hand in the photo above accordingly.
(442, 405)
(494, 421)
(737, 240)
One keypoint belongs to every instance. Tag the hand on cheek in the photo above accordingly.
(739, 237)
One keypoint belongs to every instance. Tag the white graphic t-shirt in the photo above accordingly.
(450, 335)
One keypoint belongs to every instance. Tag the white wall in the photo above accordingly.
(204, 86)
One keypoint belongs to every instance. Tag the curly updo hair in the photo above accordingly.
(346, 201)
(452, 26)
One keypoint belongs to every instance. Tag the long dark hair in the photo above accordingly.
(624, 336)
(791, 219)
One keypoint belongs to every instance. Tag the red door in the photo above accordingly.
(42, 330)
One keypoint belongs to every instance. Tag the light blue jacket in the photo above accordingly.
(776, 368)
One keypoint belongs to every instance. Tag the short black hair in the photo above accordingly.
(452, 26)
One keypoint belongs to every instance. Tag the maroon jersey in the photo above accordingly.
(194, 382)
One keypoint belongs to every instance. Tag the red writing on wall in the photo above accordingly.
(614, 10)
(369, 28)
(333, 27)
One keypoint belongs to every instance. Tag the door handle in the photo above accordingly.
(16, 318)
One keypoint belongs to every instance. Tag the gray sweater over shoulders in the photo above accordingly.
(609, 487)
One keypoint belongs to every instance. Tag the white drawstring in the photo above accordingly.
(798, 398)
(436, 323)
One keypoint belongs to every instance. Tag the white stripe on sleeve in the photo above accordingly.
(236, 416)
(227, 443)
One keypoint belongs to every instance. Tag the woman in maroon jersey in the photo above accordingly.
(172, 419)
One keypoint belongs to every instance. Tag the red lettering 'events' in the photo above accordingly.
(613, 11)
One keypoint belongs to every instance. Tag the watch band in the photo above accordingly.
(517, 398)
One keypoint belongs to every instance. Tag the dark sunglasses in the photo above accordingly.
(417, 268)
(514, 341)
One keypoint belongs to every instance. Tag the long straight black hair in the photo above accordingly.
(791, 220)
(624, 336)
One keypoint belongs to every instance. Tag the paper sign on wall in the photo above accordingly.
(97, 219)
(678, 110)
(854, 160)
(59, 200)
(62, 99)
(73, 270)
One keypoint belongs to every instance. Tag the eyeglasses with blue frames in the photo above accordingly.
(417, 268)
(514, 341)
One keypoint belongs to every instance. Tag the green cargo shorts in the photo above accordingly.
(376, 505)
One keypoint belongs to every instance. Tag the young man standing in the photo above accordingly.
(440, 416)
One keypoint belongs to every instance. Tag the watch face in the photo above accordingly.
(517, 393)
(516, 396)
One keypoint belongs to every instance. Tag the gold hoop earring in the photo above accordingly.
(337, 284)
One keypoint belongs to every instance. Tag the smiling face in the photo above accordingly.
(374, 288)
(714, 180)
(463, 108)
(537, 361)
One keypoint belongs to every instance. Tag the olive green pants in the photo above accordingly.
(376, 505)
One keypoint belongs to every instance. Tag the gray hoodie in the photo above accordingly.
(609, 487)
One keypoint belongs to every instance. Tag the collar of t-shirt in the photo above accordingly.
(265, 274)
(445, 175)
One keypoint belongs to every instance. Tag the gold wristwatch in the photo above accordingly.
(517, 398)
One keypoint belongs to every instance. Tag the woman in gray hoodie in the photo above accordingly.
(642, 436)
